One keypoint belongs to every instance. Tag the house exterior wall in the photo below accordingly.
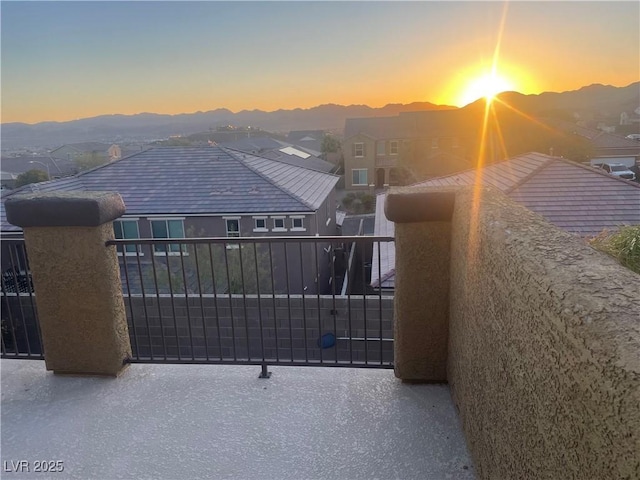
(306, 268)
(352, 162)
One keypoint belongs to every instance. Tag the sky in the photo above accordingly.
(66, 60)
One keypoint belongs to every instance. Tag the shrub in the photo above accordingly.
(624, 245)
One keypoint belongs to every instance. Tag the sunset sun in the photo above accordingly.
(486, 86)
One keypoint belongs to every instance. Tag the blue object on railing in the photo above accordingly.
(327, 340)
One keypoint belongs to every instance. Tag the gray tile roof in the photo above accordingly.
(200, 180)
(574, 197)
(277, 150)
(577, 198)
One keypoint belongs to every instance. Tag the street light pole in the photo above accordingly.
(44, 165)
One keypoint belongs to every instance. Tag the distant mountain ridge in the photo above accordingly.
(602, 101)
(146, 126)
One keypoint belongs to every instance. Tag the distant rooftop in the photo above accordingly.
(199, 180)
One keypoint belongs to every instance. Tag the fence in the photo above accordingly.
(264, 300)
(20, 327)
(259, 300)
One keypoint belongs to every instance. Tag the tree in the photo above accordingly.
(31, 176)
(330, 144)
(87, 161)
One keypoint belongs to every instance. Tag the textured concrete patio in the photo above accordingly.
(210, 421)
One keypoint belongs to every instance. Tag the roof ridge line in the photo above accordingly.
(533, 172)
(235, 154)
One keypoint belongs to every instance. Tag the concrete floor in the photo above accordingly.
(211, 421)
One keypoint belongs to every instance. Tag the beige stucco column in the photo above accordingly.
(421, 318)
(76, 279)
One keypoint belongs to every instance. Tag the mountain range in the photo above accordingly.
(595, 102)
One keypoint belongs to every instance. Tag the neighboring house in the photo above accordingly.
(281, 151)
(309, 140)
(72, 150)
(173, 192)
(577, 198)
(55, 167)
(608, 147)
(374, 148)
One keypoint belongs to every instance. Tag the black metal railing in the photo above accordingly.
(256, 300)
(20, 328)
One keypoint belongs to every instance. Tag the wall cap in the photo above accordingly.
(414, 204)
(64, 209)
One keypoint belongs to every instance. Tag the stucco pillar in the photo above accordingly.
(421, 305)
(76, 279)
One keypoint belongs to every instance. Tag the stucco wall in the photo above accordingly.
(544, 348)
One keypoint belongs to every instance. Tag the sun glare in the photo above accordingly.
(487, 86)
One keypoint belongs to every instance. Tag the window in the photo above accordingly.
(380, 148)
(278, 224)
(359, 176)
(260, 224)
(297, 224)
(393, 147)
(358, 149)
(168, 228)
(233, 227)
(126, 229)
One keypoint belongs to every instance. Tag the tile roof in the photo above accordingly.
(383, 269)
(574, 197)
(577, 198)
(200, 180)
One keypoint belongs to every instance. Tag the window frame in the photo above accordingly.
(358, 146)
(366, 177)
(128, 251)
(394, 147)
(255, 224)
(170, 251)
(284, 225)
(381, 145)
(228, 231)
(301, 228)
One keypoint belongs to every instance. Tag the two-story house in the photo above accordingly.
(430, 143)
(177, 192)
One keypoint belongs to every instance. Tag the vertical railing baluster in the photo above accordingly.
(304, 305)
(12, 324)
(173, 300)
(204, 323)
(255, 257)
(273, 294)
(244, 302)
(135, 346)
(286, 269)
(186, 300)
(380, 296)
(215, 300)
(144, 302)
(155, 283)
(334, 310)
(315, 249)
(231, 309)
(364, 302)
